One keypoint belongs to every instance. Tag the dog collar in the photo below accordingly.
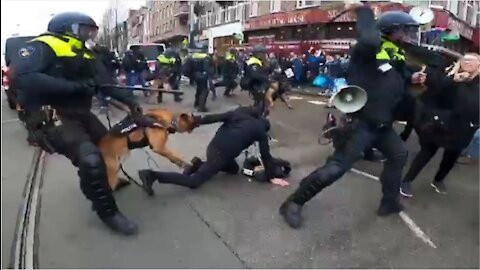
(173, 125)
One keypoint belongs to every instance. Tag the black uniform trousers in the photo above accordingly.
(216, 162)
(386, 140)
(201, 93)
(77, 139)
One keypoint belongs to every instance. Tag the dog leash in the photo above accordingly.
(129, 178)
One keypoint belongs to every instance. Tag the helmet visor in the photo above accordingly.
(85, 32)
(411, 34)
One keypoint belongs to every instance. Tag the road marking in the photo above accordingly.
(317, 102)
(406, 219)
(9, 120)
(295, 98)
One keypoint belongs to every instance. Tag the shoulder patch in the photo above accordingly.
(26, 51)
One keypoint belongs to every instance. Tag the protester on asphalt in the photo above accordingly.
(241, 128)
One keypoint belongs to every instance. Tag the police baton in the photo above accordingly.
(139, 88)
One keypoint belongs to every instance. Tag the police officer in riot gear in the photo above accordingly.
(166, 71)
(177, 75)
(371, 70)
(56, 69)
(398, 28)
(199, 67)
(256, 75)
(230, 71)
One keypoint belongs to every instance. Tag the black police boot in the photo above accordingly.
(177, 98)
(119, 223)
(388, 208)
(122, 183)
(292, 214)
(147, 180)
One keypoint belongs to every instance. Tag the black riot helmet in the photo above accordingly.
(397, 21)
(203, 46)
(259, 51)
(74, 24)
(169, 53)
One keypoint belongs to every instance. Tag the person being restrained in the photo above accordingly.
(241, 128)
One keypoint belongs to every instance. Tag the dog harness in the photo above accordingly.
(128, 125)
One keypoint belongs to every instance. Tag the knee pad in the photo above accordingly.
(326, 175)
(90, 162)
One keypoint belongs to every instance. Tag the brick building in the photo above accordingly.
(222, 26)
(168, 22)
(300, 24)
(297, 25)
(137, 25)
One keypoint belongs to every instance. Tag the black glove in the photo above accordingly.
(196, 121)
(86, 87)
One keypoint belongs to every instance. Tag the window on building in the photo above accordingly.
(462, 10)
(442, 3)
(228, 14)
(275, 5)
(307, 3)
(477, 24)
(471, 12)
(253, 8)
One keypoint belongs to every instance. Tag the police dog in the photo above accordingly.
(151, 130)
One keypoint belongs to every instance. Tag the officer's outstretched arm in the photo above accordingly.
(265, 150)
(214, 118)
(369, 40)
(29, 69)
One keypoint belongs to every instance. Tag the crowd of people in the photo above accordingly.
(58, 76)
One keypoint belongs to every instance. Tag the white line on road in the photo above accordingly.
(295, 98)
(317, 102)
(406, 219)
(9, 120)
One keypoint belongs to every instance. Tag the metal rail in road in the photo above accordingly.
(24, 254)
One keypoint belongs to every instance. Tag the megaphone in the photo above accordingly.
(349, 98)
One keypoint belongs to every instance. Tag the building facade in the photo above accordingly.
(222, 26)
(168, 22)
(299, 25)
(137, 23)
(461, 17)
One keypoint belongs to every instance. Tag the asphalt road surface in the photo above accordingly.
(232, 222)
